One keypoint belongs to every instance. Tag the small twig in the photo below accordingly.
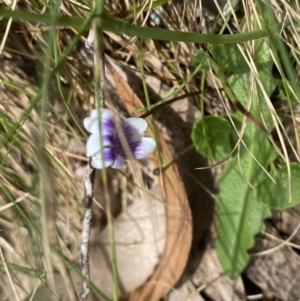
(86, 229)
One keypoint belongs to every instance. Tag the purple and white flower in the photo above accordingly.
(118, 143)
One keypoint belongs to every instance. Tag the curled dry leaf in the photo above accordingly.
(178, 216)
(139, 244)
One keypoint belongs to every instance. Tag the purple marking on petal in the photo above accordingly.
(139, 124)
(108, 139)
(93, 144)
(126, 139)
(123, 148)
(107, 119)
(131, 133)
(109, 158)
(145, 148)
(119, 162)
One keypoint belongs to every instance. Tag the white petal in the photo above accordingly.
(93, 144)
(104, 113)
(139, 124)
(94, 113)
(119, 162)
(92, 123)
(108, 161)
(145, 148)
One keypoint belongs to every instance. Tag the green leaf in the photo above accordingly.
(230, 58)
(240, 84)
(200, 58)
(264, 64)
(211, 137)
(276, 195)
(240, 215)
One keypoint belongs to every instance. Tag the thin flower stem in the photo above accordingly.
(99, 99)
(99, 66)
(94, 42)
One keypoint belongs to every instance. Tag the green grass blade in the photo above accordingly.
(119, 27)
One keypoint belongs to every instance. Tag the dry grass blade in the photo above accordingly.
(179, 221)
(9, 276)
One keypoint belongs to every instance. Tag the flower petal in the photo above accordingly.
(109, 158)
(130, 131)
(139, 124)
(107, 119)
(119, 162)
(117, 145)
(89, 123)
(126, 139)
(94, 113)
(92, 123)
(144, 149)
(93, 144)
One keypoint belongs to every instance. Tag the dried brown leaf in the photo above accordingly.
(179, 222)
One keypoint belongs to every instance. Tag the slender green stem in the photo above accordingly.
(120, 27)
(99, 101)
